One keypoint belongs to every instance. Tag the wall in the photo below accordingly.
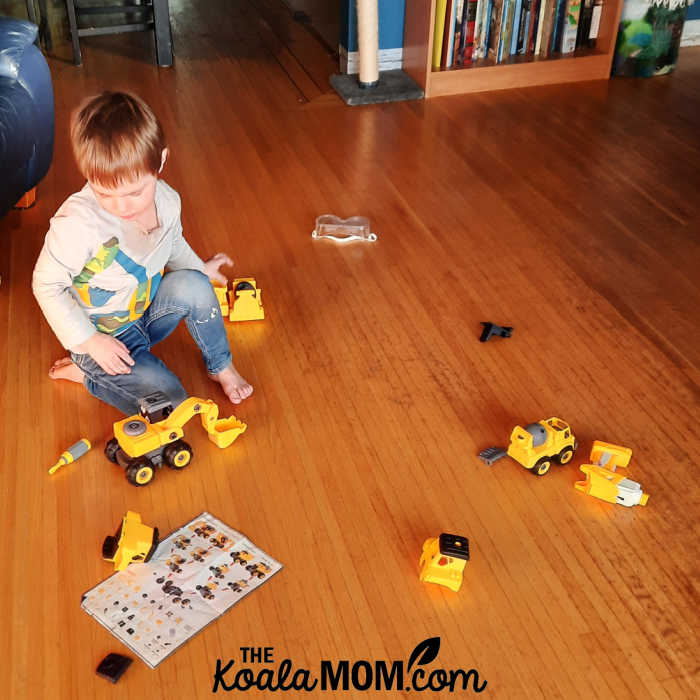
(691, 28)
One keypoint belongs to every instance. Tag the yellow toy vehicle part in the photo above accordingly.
(536, 446)
(143, 442)
(222, 296)
(245, 300)
(602, 480)
(133, 542)
(443, 560)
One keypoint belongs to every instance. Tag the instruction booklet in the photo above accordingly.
(195, 575)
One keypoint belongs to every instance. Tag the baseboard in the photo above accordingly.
(691, 33)
(389, 59)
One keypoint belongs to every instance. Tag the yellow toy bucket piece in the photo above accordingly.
(225, 431)
(604, 482)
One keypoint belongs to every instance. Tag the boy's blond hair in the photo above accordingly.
(116, 139)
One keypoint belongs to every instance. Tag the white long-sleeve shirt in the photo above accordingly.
(97, 271)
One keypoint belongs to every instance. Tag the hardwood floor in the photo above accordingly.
(570, 213)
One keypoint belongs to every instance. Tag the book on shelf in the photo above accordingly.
(448, 35)
(584, 23)
(481, 29)
(469, 26)
(533, 26)
(506, 29)
(495, 29)
(525, 8)
(557, 27)
(515, 30)
(570, 30)
(438, 32)
(548, 27)
(595, 23)
(540, 25)
(460, 32)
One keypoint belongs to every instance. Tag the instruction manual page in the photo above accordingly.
(194, 576)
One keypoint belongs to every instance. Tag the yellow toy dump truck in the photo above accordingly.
(154, 436)
(536, 446)
(443, 560)
(133, 541)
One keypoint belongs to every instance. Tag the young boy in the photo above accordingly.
(100, 278)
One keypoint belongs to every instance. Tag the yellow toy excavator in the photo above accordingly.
(154, 436)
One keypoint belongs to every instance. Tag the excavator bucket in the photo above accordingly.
(225, 431)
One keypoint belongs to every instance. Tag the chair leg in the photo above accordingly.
(27, 200)
(73, 22)
(161, 26)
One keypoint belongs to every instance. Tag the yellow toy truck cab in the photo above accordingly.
(537, 445)
(153, 437)
(133, 542)
(443, 560)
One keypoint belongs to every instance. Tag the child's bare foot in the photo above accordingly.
(234, 386)
(65, 368)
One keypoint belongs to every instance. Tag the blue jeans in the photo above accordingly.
(182, 294)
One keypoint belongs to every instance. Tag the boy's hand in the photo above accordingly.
(109, 353)
(211, 267)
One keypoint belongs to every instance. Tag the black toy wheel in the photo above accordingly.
(111, 449)
(140, 472)
(542, 466)
(565, 456)
(178, 455)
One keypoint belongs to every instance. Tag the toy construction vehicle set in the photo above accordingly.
(195, 575)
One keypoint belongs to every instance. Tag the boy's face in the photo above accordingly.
(129, 200)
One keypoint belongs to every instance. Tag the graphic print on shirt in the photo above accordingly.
(94, 296)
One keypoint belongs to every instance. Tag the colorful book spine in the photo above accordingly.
(480, 28)
(486, 28)
(548, 27)
(523, 28)
(461, 32)
(570, 31)
(448, 35)
(515, 31)
(506, 28)
(495, 28)
(557, 27)
(470, 24)
(438, 32)
(532, 26)
(540, 25)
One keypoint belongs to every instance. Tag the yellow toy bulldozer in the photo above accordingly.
(443, 560)
(154, 436)
(536, 446)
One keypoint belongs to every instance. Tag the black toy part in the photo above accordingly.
(112, 667)
(491, 329)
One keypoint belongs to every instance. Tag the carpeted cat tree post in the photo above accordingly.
(372, 86)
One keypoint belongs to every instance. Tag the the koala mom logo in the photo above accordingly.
(411, 675)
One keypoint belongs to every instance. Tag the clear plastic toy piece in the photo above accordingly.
(356, 228)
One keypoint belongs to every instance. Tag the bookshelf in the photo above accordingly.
(521, 71)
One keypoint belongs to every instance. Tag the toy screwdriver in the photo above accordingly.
(71, 454)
